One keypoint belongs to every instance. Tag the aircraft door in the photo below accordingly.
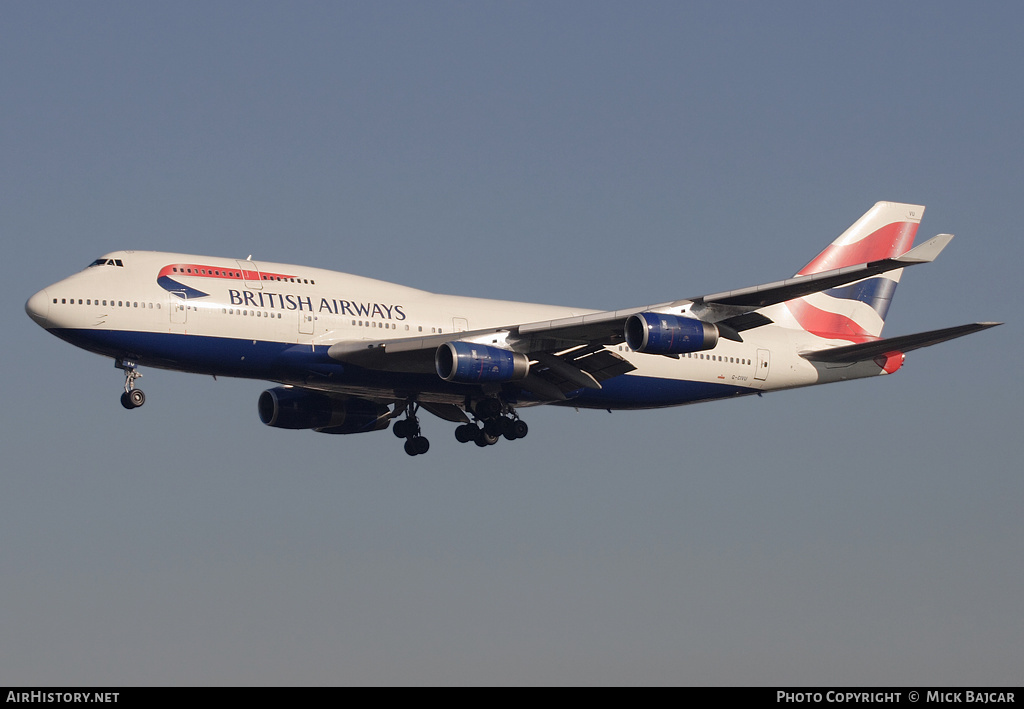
(251, 274)
(177, 303)
(763, 359)
(460, 325)
(306, 322)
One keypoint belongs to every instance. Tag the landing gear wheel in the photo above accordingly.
(505, 428)
(409, 429)
(418, 445)
(485, 439)
(488, 408)
(133, 399)
(466, 432)
(519, 428)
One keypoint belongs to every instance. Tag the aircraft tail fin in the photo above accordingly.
(855, 312)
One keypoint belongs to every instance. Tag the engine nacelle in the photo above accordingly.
(283, 407)
(660, 333)
(470, 363)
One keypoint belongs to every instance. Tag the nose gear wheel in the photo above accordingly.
(132, 398)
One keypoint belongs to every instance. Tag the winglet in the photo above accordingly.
(926, 252)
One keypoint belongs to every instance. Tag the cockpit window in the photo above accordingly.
(107, 262)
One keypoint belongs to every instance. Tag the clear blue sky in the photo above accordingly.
(582, 153)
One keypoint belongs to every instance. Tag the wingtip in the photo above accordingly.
(926, 252)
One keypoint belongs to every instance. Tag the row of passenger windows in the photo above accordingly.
(257, 313)
(701, 355)
(392, 326)
(208, 272)
(285, 278)
(113, 303)
(719, 358)
(237, 274)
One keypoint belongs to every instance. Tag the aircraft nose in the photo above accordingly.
(38, 308)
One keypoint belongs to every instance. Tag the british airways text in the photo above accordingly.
(298, 302)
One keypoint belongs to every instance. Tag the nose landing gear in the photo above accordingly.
(132, 398)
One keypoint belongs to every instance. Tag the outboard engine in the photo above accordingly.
(661, 333)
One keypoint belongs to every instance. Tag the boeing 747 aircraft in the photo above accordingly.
(351, 354)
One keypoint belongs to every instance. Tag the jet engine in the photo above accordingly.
(284, 407)
(470, 363)
(660, 333)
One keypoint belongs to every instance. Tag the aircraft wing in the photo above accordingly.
(735, 310)
(569, 352)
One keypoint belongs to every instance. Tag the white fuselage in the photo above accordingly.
(276, 321)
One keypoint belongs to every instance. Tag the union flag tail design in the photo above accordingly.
(856, 312)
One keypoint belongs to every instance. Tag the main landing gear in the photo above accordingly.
(409, 429)
(495, 419)
(132, 398)
(499, 421)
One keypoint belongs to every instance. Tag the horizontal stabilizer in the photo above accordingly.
(926, 252)
(904, 343)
